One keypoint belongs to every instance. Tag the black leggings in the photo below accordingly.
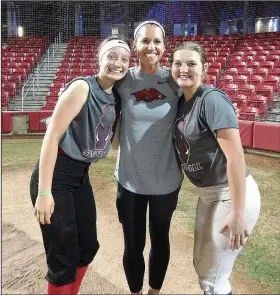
(70, 240)
(132, 209)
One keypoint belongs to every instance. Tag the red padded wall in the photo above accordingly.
(43, 115)
(266, 136)
(6, 122)
(246, 129)
(34, 124)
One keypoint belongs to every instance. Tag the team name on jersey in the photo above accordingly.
(193, 167)
(94, 154)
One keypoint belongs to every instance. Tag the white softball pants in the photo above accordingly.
(213, 261)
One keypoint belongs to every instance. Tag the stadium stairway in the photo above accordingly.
(45, 78)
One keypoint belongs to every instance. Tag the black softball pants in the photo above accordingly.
(70, 240)
(132, 209)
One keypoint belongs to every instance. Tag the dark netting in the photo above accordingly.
(45, 44)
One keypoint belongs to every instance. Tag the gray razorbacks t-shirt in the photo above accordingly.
(88, 136)
(194, 134)
(147, 162)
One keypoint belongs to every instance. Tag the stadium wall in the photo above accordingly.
(254, 135)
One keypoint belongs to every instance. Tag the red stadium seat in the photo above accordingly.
(277, 64)
(265, 52)
(210, 59)
(76, 71)
(245, 71)
(246, 49)
(237, 53)
(248, 58)
(237, 64)
(224, 54)
(265, 90)
(216, 65)
(212, 80)
(255, 80)
(4, 98)
(248, 113)
(272, 81)
(246, 89)
(7, 71)
(258, 101)
(239, 99)
(226, 79)
(235, 58)
(253, 64)
(240, 79)
(231, 71)
(272, 57)
(275, 72)
(212, 54)
(229, 89)
(213, 71)
(268, 47)
(250, 53)
(260, 71)
(257, 48)
(260, 58)
(88, 71)
(267, 64)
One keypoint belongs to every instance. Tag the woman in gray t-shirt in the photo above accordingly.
(208, 144)
(147, 171)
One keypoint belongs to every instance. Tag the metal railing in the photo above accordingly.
(50, 52)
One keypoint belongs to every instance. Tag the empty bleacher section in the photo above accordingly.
(19, 58)
(252, 76)
(233, 67)
(80, 59)
(242, 39)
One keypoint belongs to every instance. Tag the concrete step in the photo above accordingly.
(28, 105)
(46, 72)
(41, 79)
(42, 82)
(52, 64)
(40, 99)
(48, 69)
(275, 121)
(26, 108)
(30, 101)
(43, 95)
(274, 111)
(42, 88)
(276, 103)
(273, 117)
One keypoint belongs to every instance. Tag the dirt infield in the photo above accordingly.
(24, 261)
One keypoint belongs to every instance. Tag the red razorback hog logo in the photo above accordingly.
(148, 95)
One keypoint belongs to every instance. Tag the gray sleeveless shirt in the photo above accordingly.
(147, 162)
(88, 137)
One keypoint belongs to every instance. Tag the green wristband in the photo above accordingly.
(44, 193)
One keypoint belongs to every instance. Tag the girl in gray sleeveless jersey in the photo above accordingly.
(79, 133)
(147, 169)
(208, 143)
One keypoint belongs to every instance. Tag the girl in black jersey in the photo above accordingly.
(79, 133)
(208, 144)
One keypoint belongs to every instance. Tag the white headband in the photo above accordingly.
(146, 23)
(111, 44)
